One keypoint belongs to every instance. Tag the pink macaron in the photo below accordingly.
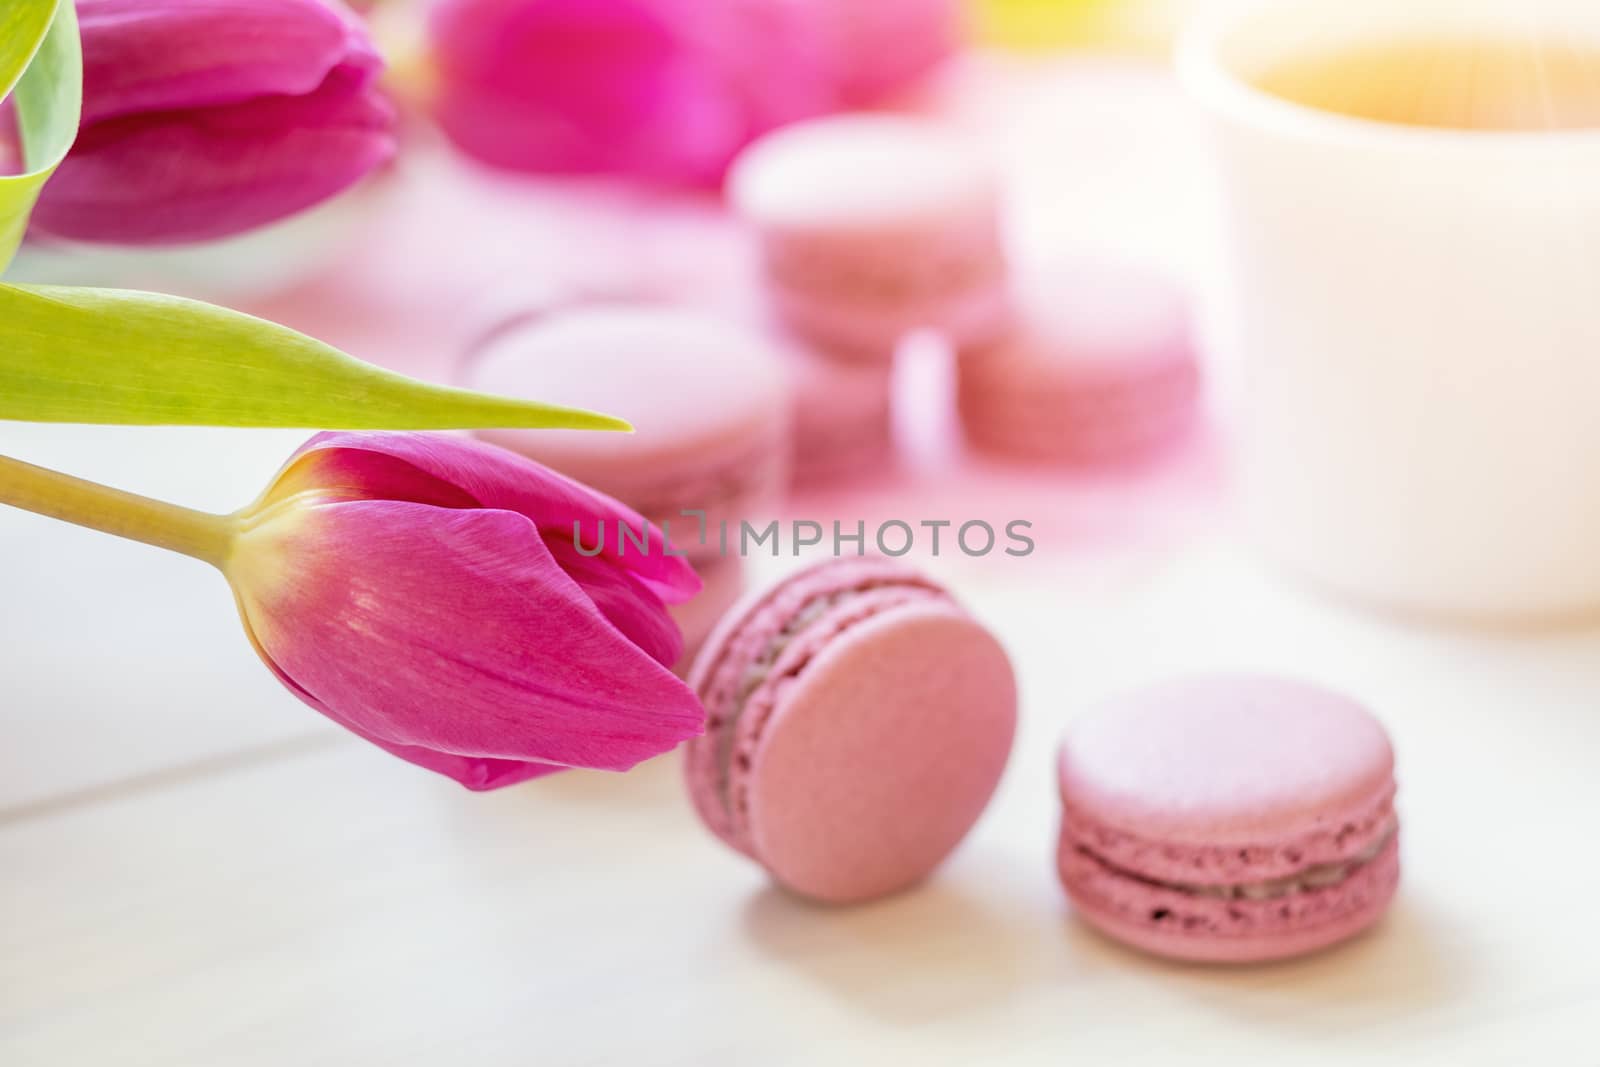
(872, 227)
(708, 399)
(843, 418)
(858, 722)
(1100, 366)
(1229, 818)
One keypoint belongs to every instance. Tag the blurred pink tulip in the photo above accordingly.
(427, 593)
(669, 89)
(887, 44)
(202, 120)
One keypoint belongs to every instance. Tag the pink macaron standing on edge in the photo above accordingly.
(1100, 366)
(873, 226)
(1229, 818)
(708, 399)
(858, 722)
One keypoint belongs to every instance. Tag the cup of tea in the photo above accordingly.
(1409, 198)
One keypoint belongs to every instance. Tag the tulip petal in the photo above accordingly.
(670, 89)
(623, 599)
(887, 44)
(493, 478)
(452, 632)
(475, 773)
(574, 86)
(211, 172)
(163, 55)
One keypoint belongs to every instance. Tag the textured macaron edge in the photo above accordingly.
(1185, 925)
(863, 331)
(1332, 837)
(798, 617)
(1091, 418)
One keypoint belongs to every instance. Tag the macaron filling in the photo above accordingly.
(1314, 877)
(928, 278)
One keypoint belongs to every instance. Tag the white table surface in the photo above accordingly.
(199, 870)
(287, 894)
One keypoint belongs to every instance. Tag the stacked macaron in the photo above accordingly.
(710, 404)
(842, 418)
(1099, 366)
(871, 228)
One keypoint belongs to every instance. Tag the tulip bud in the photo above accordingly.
(206, 120)
(427, 593)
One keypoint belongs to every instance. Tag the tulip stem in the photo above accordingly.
(199, 534)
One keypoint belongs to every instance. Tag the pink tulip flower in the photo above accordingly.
(666, 89)
(202, 120)
(427, 593)
(885, 45)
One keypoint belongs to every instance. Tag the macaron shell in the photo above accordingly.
(1178, 925)
(698, 391)
(709, 401)
(881, 755)
(1081, 422)
(872, 226)
(1099, 324)
(866, 328)
(1219, 761)
(861, 170)
(721, 672)
(1099, 365)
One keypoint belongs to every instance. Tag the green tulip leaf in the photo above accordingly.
(111, 356)
(41, 69)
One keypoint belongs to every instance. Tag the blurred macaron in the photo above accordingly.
(871, 227)
(843, 418)
(1099, 366)
(708, 399)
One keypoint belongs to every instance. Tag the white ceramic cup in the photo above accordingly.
(1416, 315)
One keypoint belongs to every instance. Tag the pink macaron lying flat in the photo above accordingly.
(708, 399)
(1229, 818)
(858, 722)
(872, 227)
(1099, 367)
